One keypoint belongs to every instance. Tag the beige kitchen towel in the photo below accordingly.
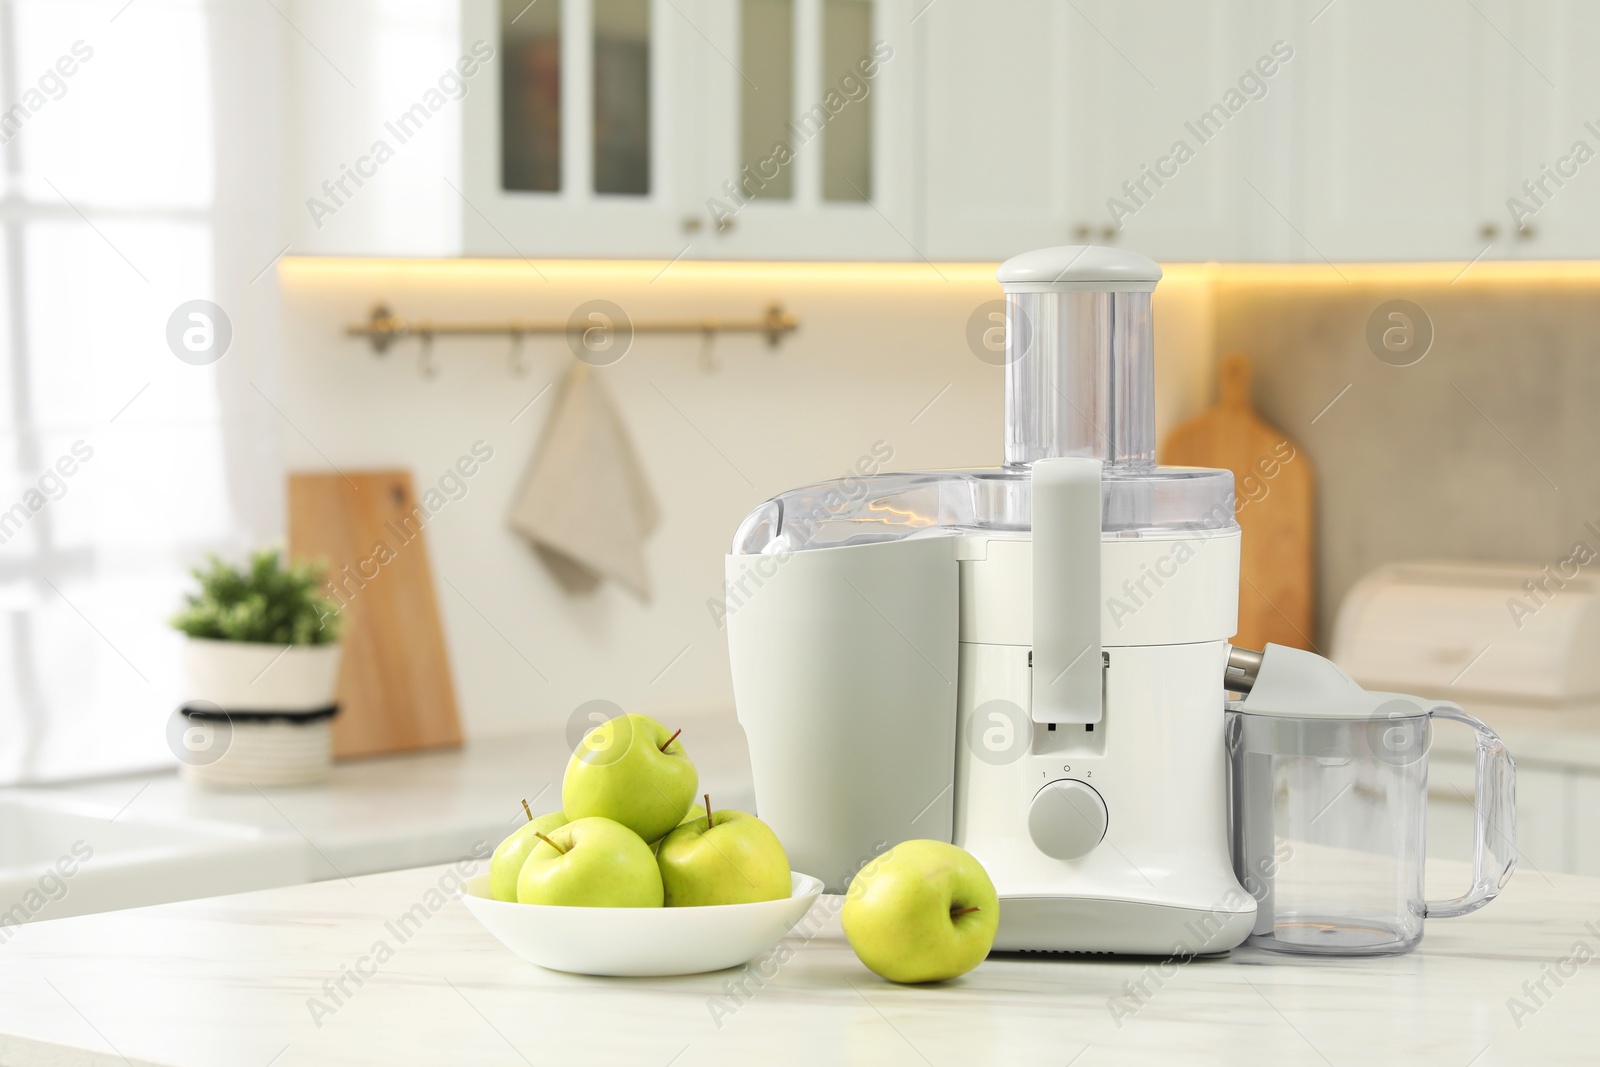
(584, 505)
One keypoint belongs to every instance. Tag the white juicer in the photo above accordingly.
(1025, 661)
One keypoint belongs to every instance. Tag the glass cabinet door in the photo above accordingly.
(818, 159)
(619, 93)
(530, 95)
(766, 95)
(847, 138)
(840, 119)
(699, 128)
(577, 149)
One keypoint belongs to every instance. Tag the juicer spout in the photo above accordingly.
(1244, 664)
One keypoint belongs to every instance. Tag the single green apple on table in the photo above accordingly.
(591, 863)
(506, 863)
(633, 770)
(728, 857)
(922, 912)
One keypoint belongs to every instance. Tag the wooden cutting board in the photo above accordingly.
(1273, 493)
(367, 527)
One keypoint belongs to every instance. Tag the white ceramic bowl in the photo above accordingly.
(640, 942)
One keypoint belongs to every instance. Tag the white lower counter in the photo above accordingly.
(138, 840)
(1558, 786)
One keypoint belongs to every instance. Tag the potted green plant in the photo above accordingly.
(262, 664)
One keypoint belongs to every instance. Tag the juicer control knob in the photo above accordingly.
(1067, 819)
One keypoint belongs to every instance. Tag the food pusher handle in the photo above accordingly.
(1068, 668)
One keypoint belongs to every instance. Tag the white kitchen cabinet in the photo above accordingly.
(1368, 131)
(1583, 827)
(1404, 133)
(1259, 130)
(1182, 113)
(1047, 123)
(823, 177)
(991, 130)
(1558, 816)
(613, 128)
(584, 144)
(1541, 814)
(1551, 805)
(398, 104)
(829, 85)
(1162, 127)
(1553, 167)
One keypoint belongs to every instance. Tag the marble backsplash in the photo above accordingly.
(1483, 449)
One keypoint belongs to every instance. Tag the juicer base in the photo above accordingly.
(1124, 927)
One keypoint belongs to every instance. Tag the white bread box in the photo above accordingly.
(1513, 633)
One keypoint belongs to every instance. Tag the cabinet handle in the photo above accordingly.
(1488, 231)
(1526, 233)
(1082, 231)
(691, 224)
(1108, 234)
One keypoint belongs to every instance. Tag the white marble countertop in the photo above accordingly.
(231, 980)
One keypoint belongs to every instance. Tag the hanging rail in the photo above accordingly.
(383, 327)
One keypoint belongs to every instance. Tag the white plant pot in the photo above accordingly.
(257, 714)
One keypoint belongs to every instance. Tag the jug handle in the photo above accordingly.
(1494, 850)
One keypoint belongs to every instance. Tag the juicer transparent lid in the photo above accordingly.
(1157, 502)
(1079, 381)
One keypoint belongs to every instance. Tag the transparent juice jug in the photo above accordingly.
(1328, 789)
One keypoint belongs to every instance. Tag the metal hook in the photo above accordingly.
(430, 369)
(519, 366)
(708, 333)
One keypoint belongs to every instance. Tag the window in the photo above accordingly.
(116, 457)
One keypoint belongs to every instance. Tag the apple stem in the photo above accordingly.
(557, 847)
(527, 810)
(956, 913)
(707, 799)
(671, 739)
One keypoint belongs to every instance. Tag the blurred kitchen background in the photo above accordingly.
(1305, 170)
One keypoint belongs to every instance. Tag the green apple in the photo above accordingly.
(591, 863)
(633, 770)
(922, 912)
(728, 857)
(506, 863)
(695, 812)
